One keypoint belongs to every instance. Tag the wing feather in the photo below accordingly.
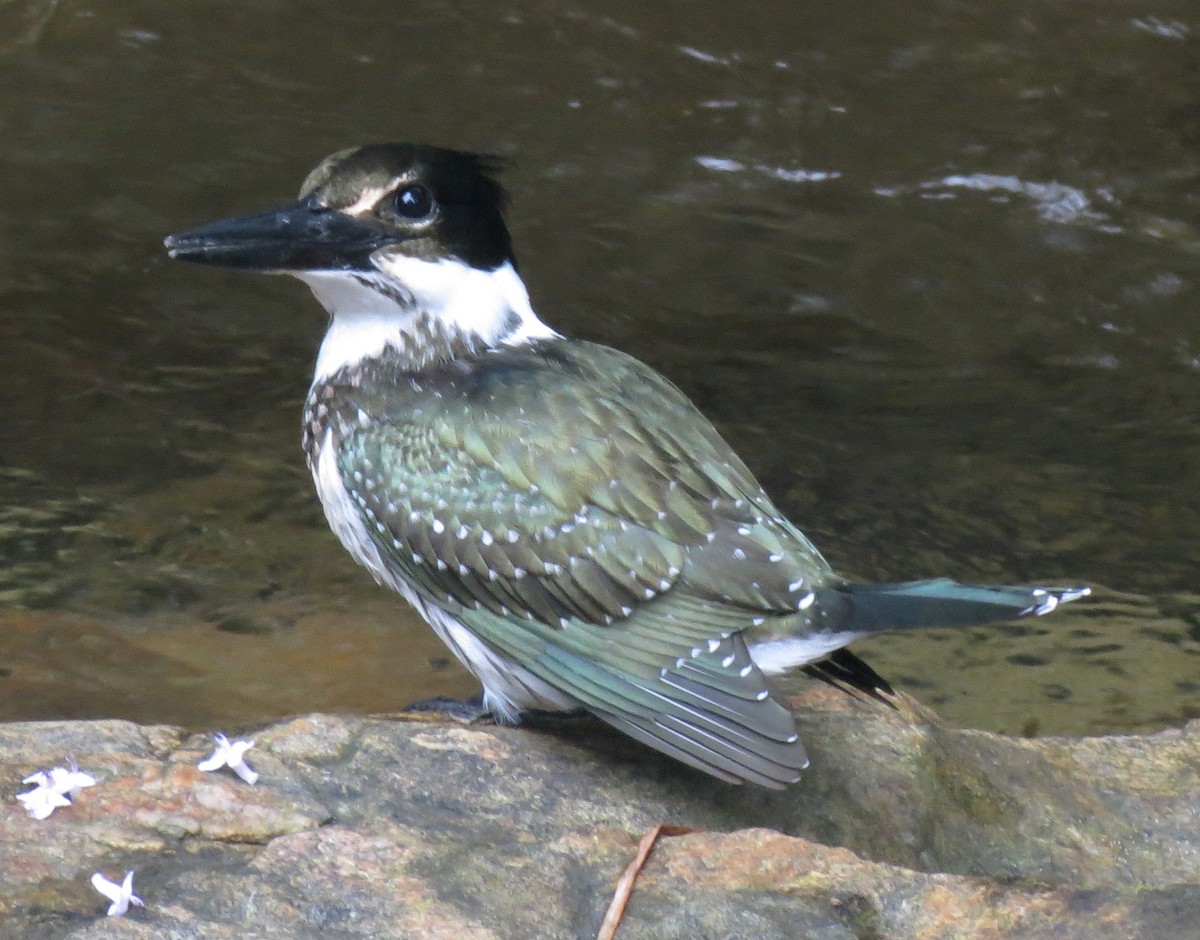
(587, 490)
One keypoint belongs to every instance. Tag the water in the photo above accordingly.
(931, 267)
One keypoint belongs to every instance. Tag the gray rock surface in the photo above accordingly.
(368, 827)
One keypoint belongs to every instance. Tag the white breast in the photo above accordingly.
(372, 310)
(508, 688)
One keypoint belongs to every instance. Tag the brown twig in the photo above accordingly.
(624, 889)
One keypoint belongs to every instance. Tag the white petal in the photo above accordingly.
(244, 771)
(230, 754)
(219, 757)
(40, 802)
(127, 891)
(70, 781)
(213, 762)
(121, 894)
(237, 751)
(52, 802)
(78, 780)
(110, 889)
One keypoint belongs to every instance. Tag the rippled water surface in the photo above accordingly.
(931, 266)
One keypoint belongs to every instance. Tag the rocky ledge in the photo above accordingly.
(371, 827)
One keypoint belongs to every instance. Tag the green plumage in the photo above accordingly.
(578, 514)
(562, 480)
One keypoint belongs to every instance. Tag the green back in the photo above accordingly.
(576, 512)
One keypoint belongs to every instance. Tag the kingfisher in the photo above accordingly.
(563, 517)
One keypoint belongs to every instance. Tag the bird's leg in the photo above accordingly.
(472, 710)
(469, 711)
(543, 718)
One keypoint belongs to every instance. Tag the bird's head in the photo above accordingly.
(359, 207)
(387, 235)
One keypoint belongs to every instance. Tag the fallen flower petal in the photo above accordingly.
(52, 789)
(216, 760)
(121, 895)
(230, 754)
(41, 801)
(70, 781)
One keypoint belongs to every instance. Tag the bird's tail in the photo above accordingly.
(868, 608)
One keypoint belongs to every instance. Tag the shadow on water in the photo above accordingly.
(931, 268)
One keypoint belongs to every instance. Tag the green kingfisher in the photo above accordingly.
(569, 524)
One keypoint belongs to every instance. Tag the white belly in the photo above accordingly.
(507, 687)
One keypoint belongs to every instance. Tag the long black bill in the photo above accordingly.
(302, 236)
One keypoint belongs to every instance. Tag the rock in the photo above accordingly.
(398, 828)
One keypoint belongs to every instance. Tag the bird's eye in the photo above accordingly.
(413, 202)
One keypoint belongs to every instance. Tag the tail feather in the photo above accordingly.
(870, 608)
(849, 673)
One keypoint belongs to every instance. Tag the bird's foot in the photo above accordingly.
(469, 711)
(542, 718)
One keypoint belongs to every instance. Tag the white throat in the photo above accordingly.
(370, 311)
